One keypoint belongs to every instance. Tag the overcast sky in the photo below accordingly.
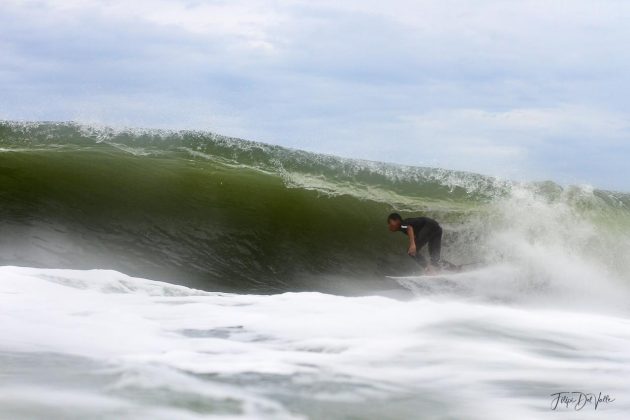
(520, 89)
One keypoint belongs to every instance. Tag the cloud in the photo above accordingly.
(529, 89)
(526, 141)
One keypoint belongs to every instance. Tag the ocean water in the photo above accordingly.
(149, 274)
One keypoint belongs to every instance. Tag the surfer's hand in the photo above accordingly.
(412, 251)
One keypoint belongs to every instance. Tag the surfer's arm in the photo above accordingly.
(412, 241)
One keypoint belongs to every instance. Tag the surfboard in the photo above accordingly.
(444, 282)
(442, 274)
(453, 270)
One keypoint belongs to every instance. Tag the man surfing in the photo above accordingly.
(421, 231)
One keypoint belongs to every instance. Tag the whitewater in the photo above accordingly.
(187, 275)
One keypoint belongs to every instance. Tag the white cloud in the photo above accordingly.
(506, 141)
(567, 120)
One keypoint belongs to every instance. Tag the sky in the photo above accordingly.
(527, 90)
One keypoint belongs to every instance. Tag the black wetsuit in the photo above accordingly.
(425, 231)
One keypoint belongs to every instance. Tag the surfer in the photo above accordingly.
(421, 231)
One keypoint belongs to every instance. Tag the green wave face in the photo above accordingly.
(221, 213)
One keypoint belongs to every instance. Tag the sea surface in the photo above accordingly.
(150, 274)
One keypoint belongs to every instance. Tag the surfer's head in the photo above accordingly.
(394, 221)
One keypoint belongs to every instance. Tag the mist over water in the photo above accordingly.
(268, 294)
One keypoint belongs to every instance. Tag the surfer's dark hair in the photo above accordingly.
(394, 216)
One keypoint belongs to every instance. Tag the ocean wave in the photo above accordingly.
(220, 213)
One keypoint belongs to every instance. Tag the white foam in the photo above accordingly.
(168, 349)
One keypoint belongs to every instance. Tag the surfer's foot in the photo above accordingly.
(431, 270)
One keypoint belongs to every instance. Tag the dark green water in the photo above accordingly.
(220, 213)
